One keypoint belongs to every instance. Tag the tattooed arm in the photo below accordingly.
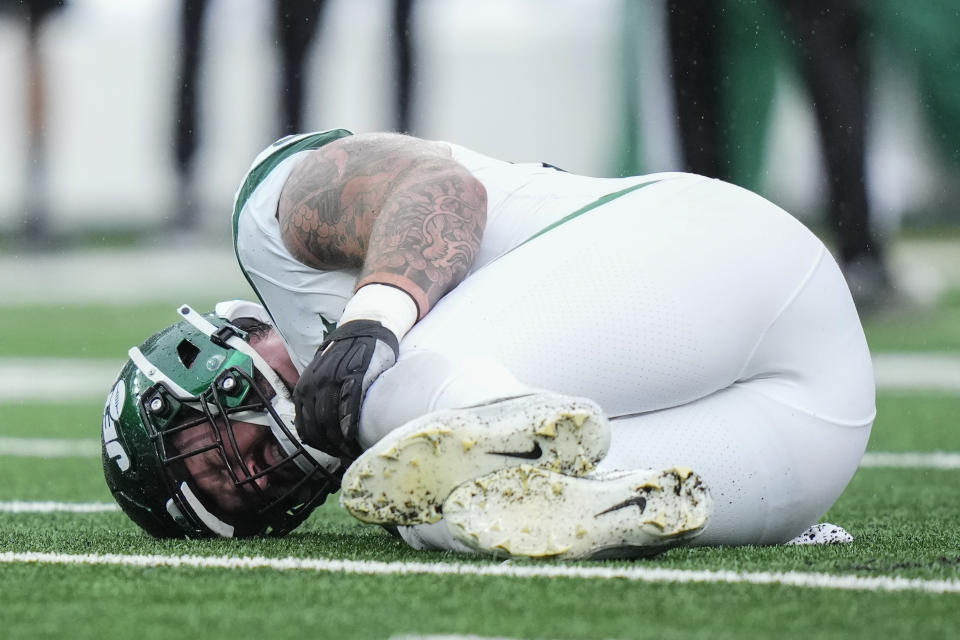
(411, 218)
(398, 207)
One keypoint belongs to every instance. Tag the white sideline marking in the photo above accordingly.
(106, 275)
(62, 379)
(90, 448)
(49, 448)
(917, 371)
(56, 379)
(447, 636)
(932, 460)
(361, 567)
(57, 507)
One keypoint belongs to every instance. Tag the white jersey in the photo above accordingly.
(523, 200)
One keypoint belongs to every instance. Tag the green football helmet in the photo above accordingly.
(201, 376)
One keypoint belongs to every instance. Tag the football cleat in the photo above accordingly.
(404, 478)
(528, 512)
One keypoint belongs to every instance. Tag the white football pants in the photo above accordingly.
(713, 328)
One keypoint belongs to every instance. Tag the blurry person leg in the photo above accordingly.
(36, 219)
(403, 52)
(297, 23)
(693, 27)
(830, 40)
(185, 127)
(35, 224)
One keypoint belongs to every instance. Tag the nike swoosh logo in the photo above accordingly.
(533, 454)
(637, 501)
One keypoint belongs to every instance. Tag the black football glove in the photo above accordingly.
(331, 389)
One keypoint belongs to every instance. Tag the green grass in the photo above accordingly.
(905, 522)
(84, 331)
(107, 331)
(71, 420)
(229, 604)
(62, 479)
(881, 508)
(906, 420)
(920, 329)
(916, 421)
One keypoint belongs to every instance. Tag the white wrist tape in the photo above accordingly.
(391, 307)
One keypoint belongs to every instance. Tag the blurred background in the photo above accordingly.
(127, 126)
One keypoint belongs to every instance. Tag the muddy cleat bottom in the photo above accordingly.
(404, 478)
(537, 513)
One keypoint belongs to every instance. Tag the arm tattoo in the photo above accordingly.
(398, 207)
(429, 232)
(324, 220)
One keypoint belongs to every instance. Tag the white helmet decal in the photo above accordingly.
(111, 413)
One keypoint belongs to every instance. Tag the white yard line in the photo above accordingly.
(447, 636)
(190, 269)
(914, 460)
(917, 371)
(68, 380)
(90, 448)
(18, 506)
(506, 570)
(49, 448)
(56, 379)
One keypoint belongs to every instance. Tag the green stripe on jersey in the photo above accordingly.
(285, 147)
(599, 202)
(284, 150)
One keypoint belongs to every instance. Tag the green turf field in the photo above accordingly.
(905, 560)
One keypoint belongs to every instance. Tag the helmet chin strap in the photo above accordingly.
(281, 402)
